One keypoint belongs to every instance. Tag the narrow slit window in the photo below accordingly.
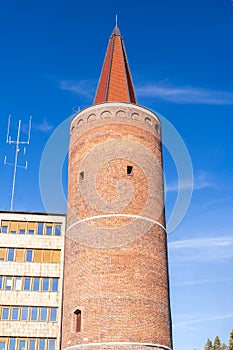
(77, 314)
(129, 169)
(157, 128)
(81, 176)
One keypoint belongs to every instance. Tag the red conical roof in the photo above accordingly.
(115, 83)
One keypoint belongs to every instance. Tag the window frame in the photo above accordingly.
(51, 311)
(28, 257)
(34, 308)
(30, 282)
(2, 312)
(8, 278)
(23, 308)
(18, 313)
(11, 254)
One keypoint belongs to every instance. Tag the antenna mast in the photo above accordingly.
(17, 144)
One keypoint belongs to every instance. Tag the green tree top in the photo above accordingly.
(217, 344)
(230, 346)
(209, 345)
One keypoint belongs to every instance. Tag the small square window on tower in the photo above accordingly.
(129, 169)
(77, 315)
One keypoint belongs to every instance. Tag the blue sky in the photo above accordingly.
(180, 55)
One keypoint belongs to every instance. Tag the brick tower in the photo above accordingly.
(116, 290)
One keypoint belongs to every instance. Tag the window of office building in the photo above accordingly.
(12, 344)
(29, 255)
(54, 284)
(2, 345)
(24, 313)
(8, 283)
(43, 314)
(57, 230)
(27, 283)
(34, 314)
(18, 283)
(21, 344)
(53, 314)
(45, 284)
(40, 228)
(11, 254)
(5, 313)
(9, 343)
(51, 344)
(15, 314)
(36, 283)
(49, 230)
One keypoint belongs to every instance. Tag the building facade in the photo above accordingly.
(116, 289)
(31, 272)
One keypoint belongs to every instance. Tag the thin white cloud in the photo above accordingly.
(200, 282)
(161, 90)
(201, 181)
(197, 243)
(84, 88)
(201, 320)
(217, 201)
(185, 94)
(201, 250)
(43, 127)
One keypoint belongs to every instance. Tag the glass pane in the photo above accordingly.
(29, 255)
(51, 344)
(53, 314)
(18, 283)
(11, 254)
(12, 344)
(22, 345)
(5, 313)
(15, 314)
(57, 230)
(4, 229)
(32, 344)
(45, 284)
(2, 345)
(48, 230)
(36, 283)
(31, 232)
(13, 232)
(8, 283)
(24, 314)
(34, 313)
(22, 232)
(41, 344)
(27, 281)
(54, 284)
(43, 314)
(1, 282)
(40, 228)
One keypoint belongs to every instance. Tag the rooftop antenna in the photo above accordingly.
(17, 144)
(116, 21)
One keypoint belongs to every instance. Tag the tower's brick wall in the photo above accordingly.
(116, 251)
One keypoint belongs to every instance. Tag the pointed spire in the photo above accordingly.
(115, 83)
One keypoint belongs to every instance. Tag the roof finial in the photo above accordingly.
(116, 30)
